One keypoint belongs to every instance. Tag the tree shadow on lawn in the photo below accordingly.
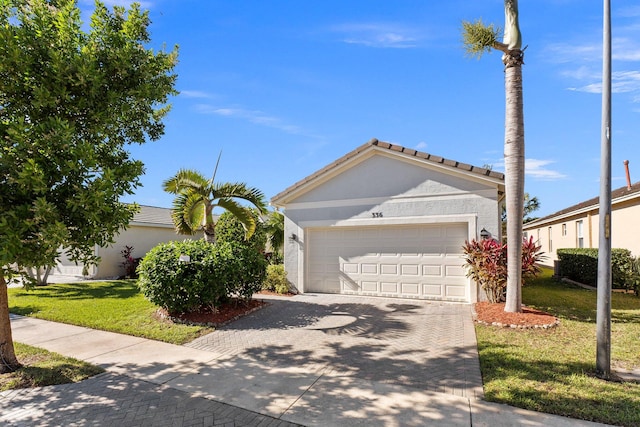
(545, 386)
(77, 291)
(24, 310)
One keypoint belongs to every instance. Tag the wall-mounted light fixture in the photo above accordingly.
(484, 234)
(293, 238)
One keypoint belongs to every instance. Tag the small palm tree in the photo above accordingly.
(275, 231)
(197, 196)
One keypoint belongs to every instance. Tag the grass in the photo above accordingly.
(553, 370)
(115, 306)
(42, 368)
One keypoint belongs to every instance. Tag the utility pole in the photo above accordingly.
(603, 316)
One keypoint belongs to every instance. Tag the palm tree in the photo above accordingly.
(275, 231)
(478, 39)
(197, 196)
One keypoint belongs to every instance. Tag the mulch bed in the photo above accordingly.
(214, 318)
(493, 314)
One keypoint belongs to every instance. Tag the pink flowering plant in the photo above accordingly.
(129, 262)
(486, 264)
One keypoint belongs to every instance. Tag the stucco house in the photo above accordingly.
(149, 227)
(386, 220)
(578, 226)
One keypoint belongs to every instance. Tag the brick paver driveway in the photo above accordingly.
(413, 343)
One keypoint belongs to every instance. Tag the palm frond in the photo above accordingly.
(187, 179)
(240, 190)
(479, 38)
(275, 230)
(179, 215)
(195, 209)
(242, 213)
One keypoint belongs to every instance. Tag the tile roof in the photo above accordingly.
(591, 203)
(430, 158)
(153, 215)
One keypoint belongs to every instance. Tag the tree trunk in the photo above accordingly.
(514, 177)
(209, 235)
(8, 360)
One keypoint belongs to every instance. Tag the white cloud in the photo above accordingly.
(537, 168)
(621, 82)
(194, 94)
(421, 145)
(378, 35)
(255, 117)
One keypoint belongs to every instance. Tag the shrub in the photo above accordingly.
(486, 264)
(230, 230)
(276, 279)
(245, 271)
(213, 274)
(581, 265)
(634, 279)
(181, 287)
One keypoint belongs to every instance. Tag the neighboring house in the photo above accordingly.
(385, 220)
(149, 227)
(578, 226)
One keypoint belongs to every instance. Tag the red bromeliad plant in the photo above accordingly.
(531, 256)
(487, 264)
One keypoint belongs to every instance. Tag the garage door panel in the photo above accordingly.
(432, 270)
(432, 290)
(411, 261)
(369, 268)
(370, 286)
(410, 269)
(455, 271)
(457, 291)
(389, 269)
(410, 289)
(351, 268)
(390, 287)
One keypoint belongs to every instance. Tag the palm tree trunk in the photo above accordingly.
(8, 360)
(514, 177)
(209, 234)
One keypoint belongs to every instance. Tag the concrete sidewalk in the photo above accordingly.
(153, 383)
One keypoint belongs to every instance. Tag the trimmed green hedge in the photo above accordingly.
(581, 265)
(213, 274)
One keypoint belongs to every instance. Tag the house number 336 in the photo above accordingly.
(376, 214)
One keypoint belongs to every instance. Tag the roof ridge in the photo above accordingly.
(594, 201)
(374, 142)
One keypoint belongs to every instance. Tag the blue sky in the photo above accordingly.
(284, 88)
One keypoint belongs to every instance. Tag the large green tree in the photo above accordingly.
(197, 197)
(478, 39)
(70, 102)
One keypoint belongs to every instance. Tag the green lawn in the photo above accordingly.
(42, 368)
(115, 306)
(553, 370)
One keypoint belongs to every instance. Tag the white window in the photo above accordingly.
(579, 234)
(564, 229)
(550, 240)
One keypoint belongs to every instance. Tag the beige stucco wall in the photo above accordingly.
(143, 237)
(625, 230)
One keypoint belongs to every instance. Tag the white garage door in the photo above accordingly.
(415, 261)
